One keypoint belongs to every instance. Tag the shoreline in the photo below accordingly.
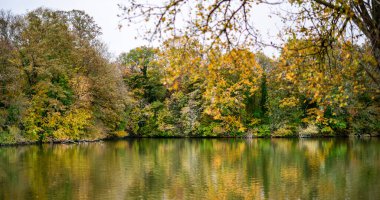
(182, 137)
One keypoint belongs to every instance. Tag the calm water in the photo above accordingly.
(194, 169)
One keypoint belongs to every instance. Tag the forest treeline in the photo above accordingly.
(59, 83)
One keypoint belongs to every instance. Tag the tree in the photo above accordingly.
(322, 21)
(12, 78)
(329, 58)
(138, 59)
(327, 23)
(330, 93)
(184, 68)
(56, 80)
(141, 72)
(142, 76)
(231, 80)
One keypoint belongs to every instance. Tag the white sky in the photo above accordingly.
(105, 15)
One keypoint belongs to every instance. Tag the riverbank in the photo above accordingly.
(70, 141)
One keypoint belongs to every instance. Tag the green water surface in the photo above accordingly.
(193, 169)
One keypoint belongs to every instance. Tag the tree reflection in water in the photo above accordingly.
(194, 168)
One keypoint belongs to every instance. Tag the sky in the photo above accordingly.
(118, 40)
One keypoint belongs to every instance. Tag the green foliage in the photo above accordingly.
(12, 135)
(366, 121)
(281, 114)
(138, 59)
(263, 131)
(327, 130)
(212, 129)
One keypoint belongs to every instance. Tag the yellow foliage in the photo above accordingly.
(120, 134)
(329, 80)
(227, 79)
(72, 125)
(230, 79)
(289, 102)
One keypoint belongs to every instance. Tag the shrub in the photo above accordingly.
(366, 121)
(284, 131)
(327, 130)
(262, 131)
(310, 131)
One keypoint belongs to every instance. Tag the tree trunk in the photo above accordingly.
(376, 17)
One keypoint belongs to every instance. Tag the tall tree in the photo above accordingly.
(56, 80)
(230, 21)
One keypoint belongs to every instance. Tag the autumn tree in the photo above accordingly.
(327, 90)
(183, 62)
(12, 79)
(142, 75)
(327, 23)
(322, 21)
(57, 82)
(329, 57)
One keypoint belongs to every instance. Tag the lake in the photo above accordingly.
(194, 169)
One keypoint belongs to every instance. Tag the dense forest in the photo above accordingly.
(59, 83)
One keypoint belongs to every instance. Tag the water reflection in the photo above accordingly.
(194, 168)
